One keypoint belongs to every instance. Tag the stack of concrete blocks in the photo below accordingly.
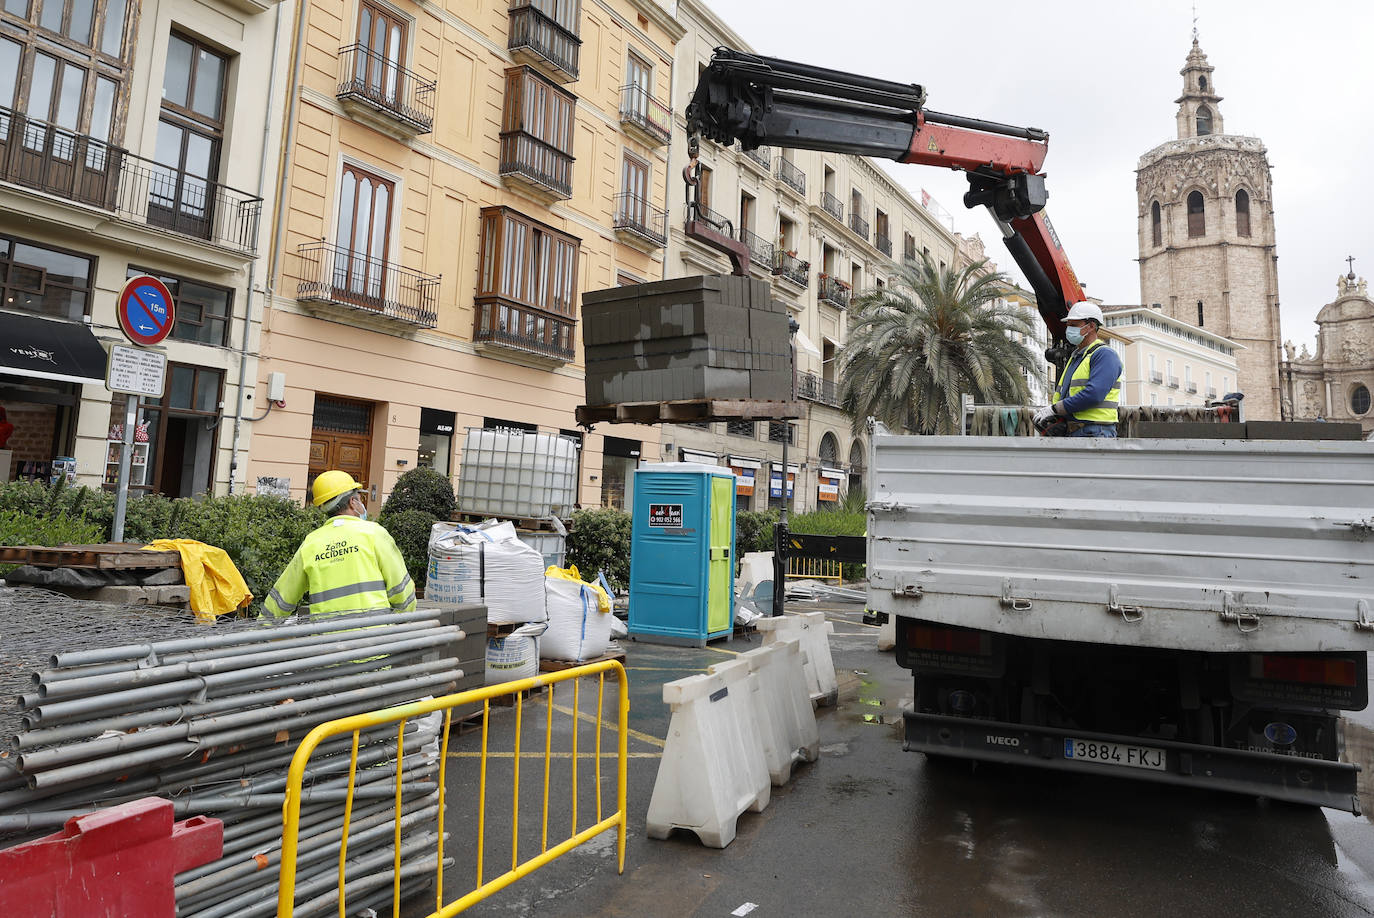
(470, 653)
(686, 339)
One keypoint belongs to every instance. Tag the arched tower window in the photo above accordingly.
(1242, 213)
(1202, 83)
(1204, 120)
(1156, 231)
(1197, 216)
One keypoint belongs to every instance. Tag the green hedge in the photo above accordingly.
(259, 533)
(599, 540)
(411, 529)
(422, 489)
(754, 531)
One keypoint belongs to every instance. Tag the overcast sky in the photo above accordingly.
(1102, 78)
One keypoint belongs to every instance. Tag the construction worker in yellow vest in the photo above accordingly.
(1090, 386)
(348, 564)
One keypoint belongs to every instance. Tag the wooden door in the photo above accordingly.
(341, 438)
(350, 453)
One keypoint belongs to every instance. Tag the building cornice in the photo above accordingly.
(661, 18)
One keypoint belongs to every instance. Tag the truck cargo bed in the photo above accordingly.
(1212, 545)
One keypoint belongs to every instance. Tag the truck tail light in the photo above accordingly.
(1278, 667)
(948, 640)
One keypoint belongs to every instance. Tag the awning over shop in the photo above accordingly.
(47, 349)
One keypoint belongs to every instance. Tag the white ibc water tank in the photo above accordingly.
(520, 475)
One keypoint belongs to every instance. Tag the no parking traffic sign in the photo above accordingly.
(145, 310)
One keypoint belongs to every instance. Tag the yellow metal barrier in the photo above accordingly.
(813, 569)
(286, 891)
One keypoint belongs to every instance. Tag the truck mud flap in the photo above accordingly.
(1280, 777)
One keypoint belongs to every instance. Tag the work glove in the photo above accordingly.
(1043, 416)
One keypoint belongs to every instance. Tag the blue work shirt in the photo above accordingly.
(1103, 373)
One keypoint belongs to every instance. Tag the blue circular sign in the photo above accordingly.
(146, 311)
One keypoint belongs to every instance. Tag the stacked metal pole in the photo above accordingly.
(210, 718)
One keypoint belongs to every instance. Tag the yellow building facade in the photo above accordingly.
(454, 177)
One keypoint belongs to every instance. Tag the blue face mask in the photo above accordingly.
(1074, 334)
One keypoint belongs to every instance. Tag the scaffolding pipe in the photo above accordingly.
(54, 676)
(344, 622)
(154, 675)
(44, 759)
(44, 736)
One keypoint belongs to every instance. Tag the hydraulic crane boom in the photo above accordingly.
(763, 100)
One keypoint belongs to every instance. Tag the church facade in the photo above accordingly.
(1206, 236)
(1335, 383)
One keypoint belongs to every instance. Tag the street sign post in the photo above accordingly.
(145, 310)
(146, 314)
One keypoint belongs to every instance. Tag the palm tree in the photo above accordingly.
(930, 336)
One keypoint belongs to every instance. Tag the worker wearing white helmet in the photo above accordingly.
(1090, 386)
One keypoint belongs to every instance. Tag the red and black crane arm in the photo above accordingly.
(766, 101)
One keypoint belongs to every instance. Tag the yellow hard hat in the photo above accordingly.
(331, 484)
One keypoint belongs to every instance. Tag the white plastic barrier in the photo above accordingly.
(712, 768)
(813, 631)
(787, 719)
(753, 719)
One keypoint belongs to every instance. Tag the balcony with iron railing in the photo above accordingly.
(535, 166)
(760, 249)
(1211, 393)
(537, 38)
(759, 157)
(909, 253)
(648, 119)
(639, 223)
(790, 176)
(522, 329)
(835, 292)
(1173, 382)
(884, 243)
(86, 171)
(858, 224)
(832, 206)
(384, 94)
(353, 285)
(814, 388)
(1156, 377)
(792, 269)
(1190, 388)
(718, 221)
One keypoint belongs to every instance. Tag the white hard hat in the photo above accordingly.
(1085, 310)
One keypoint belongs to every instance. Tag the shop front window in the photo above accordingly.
(179, 429)
(619, 460)
(436, 440)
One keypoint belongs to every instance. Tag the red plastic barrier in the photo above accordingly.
(113, 863)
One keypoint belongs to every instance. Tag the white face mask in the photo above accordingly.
(1074, 334)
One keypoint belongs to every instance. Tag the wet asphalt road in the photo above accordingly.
(871, 830)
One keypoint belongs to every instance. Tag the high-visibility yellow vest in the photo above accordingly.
(347, 564)
(1104, 412)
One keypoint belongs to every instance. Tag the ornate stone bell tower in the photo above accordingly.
(1206, 235)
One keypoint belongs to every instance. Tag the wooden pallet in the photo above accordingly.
(529, 524)
(710, 409)
(111, 556)
(554, 666)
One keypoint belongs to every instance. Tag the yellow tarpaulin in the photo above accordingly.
(216, 585)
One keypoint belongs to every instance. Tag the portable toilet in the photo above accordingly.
(682, 550)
